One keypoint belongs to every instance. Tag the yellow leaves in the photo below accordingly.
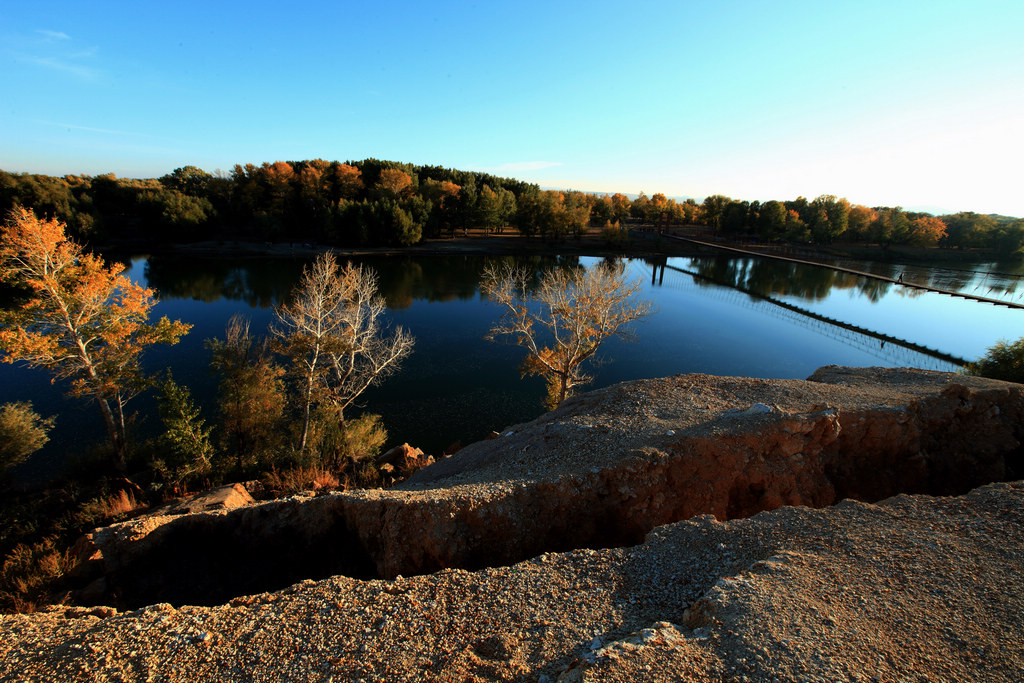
(927, 230)
(84, 320)
(395, 182)
(20, 343)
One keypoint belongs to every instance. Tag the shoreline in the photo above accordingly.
(642, 244)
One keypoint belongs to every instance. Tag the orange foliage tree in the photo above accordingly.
(348, 181)
(926, 230)
(83, 320)
(395, 183)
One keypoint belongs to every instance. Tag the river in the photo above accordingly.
(716, 315)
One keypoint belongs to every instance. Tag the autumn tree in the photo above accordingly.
(83, 320)
(564, 321)
(859, 221)
(926, 231)
(394, 183)
(620, 207)
(346, 181)
(331, 331)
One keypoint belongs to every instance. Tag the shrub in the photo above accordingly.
(185, 445)
(1003, 361)
(337, 444)
(22, 433)
(613, 234)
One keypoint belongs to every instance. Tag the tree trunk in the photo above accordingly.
(116, 440)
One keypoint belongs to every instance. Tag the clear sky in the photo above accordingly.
(919, 104)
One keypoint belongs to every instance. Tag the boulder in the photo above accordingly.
(402, 461)
(226, 497)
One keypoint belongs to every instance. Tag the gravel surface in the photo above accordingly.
(603, 428)
(915, 588)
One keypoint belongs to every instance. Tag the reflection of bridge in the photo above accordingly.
(894, 351)
(911, 285)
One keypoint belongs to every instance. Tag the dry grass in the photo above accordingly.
(113, 507)
(30, 574)
(300, 479)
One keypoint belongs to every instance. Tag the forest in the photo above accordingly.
(373, 203)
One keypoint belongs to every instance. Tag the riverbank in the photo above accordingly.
(644, 242)
(475, 242)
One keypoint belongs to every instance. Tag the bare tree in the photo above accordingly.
(572, 310)
(331, 329)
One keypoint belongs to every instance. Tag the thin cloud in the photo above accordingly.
(57, 51)
(54, 35)
(86, 73)
(106, 131)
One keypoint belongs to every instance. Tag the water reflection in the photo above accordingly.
(772, 278)
(717, 315)
(262, 283)
(258, 282)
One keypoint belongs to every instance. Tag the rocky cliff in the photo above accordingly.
(601, 471)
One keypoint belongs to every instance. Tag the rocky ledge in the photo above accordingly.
(914, 586)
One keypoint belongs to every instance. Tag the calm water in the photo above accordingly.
(716, 315)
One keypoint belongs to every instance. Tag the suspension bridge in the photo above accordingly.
(896, 281)
(892, 350)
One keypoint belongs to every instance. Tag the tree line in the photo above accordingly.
(366, 203)
(384, 203)
(828, 218)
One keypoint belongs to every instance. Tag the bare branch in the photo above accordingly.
(331, 331)
(576, 309)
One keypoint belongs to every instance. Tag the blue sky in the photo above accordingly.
(919, 104)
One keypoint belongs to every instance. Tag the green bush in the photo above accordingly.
(1003, 361)
(338, 444)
